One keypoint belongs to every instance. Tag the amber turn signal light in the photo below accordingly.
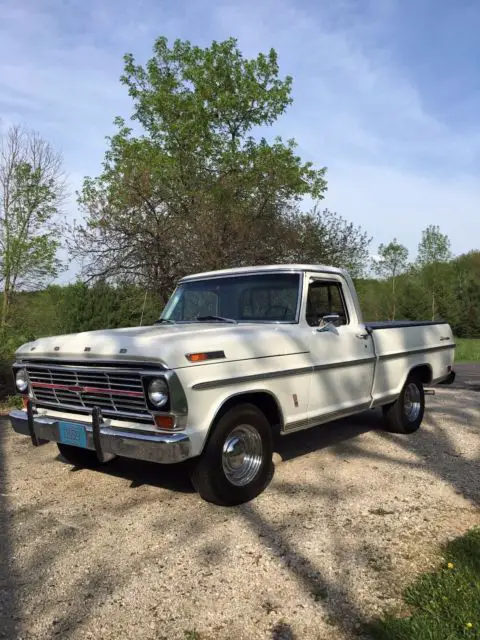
(207, 355)
(196, 357)
(165, 422)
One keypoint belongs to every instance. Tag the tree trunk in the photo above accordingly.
(394, 299)
(5, 307)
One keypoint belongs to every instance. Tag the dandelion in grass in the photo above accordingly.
(469, 625)
(450, 565)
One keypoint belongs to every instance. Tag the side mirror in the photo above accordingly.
(329, 321)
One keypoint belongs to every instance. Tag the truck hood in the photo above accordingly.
(168, 344)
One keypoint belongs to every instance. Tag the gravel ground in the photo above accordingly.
(352, 514)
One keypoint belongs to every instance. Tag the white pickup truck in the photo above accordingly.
(236, 356)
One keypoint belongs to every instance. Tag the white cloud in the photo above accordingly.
(349, 94)
(392, 166)
(389, 202)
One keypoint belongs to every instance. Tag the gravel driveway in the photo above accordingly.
(131, 552)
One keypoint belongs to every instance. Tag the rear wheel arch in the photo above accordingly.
(423, 372)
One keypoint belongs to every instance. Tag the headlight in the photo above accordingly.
(21, 380)
(158, 392)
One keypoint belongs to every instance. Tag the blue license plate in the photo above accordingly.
(73, 434)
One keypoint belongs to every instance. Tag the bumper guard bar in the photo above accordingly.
(106, 441)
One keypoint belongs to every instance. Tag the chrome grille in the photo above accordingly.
(117, 392)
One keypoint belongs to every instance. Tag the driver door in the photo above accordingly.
(342, 352)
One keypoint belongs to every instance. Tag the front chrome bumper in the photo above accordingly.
(165, 448)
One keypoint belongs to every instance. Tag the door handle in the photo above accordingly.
(362, 336)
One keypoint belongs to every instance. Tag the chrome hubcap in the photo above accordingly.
(242, 455)
(412, 402)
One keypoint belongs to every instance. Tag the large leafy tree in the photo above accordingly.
(392, 261)
(31, 194)
(201, 186)
(322, 236)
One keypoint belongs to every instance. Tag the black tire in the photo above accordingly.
(209, 476)
(399, 416)
(79, 457)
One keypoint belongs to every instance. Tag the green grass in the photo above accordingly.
(444, 605)
(468, 350)
(10, 402)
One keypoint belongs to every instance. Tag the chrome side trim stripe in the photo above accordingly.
(213, 384)
(344, 363)
(271, 375)
(327, 417)
(414, 352)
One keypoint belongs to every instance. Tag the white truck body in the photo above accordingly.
(301, 373)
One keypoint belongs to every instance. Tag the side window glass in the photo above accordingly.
(325, 298)
(337, 305)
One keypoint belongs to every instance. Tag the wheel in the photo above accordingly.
(236, 464)
(405, 415)
(79, 457)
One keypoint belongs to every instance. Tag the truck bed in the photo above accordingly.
(402, 345)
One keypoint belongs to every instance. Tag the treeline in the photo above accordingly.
(456, 295)
(78, 307)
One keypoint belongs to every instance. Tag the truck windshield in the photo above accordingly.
(250, 298)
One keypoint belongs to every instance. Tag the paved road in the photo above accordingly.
(351, 516)
(468, 376)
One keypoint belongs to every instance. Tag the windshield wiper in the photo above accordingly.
(167, 320)
(216, 319)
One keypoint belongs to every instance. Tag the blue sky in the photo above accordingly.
(387, 92)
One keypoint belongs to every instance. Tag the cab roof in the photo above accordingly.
(291, 268)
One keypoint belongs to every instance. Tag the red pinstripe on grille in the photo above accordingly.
(78, 389)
